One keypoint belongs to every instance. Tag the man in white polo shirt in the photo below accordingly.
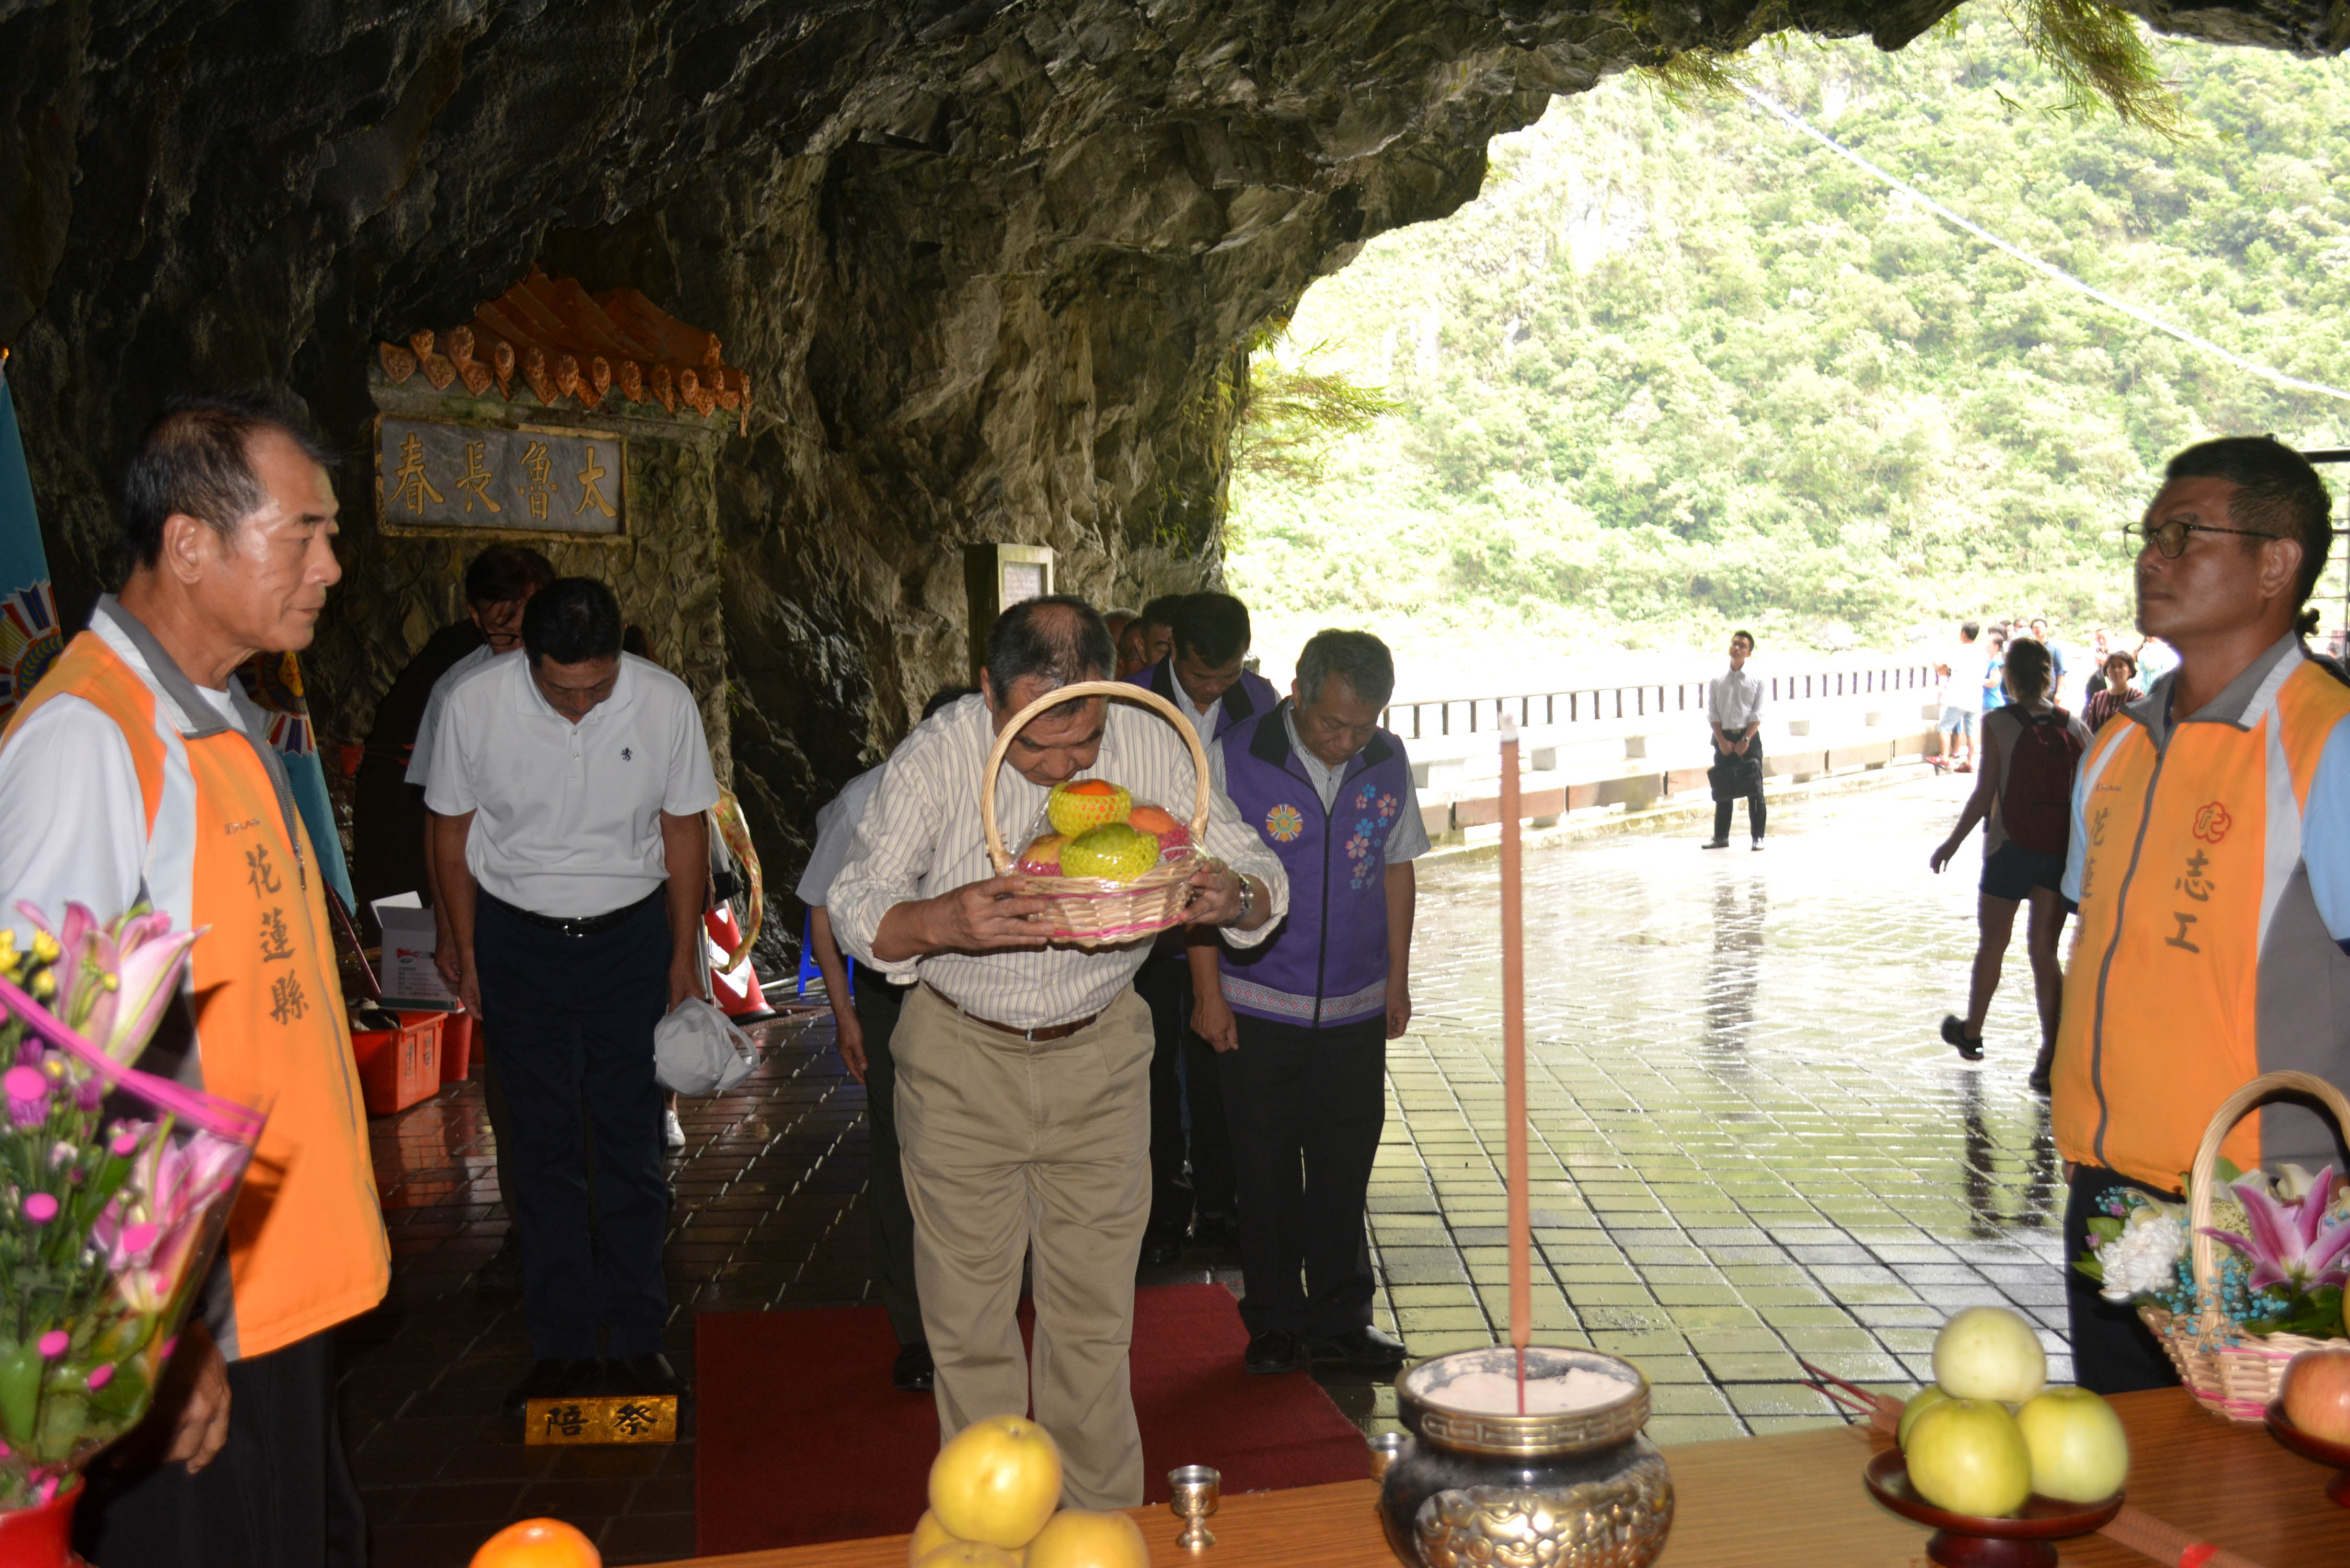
(563, 784)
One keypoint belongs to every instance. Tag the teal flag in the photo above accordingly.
(30, 637)
(274, 681)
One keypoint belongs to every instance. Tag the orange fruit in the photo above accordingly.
(538, 1544)
(1160, 825)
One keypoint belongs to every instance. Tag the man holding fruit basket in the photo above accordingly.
(1023, 1093)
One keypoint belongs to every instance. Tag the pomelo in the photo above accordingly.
(997, 1482)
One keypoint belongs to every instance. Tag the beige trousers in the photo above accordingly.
(1041, 1150)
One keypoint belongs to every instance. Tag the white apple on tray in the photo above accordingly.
(2311, 1414)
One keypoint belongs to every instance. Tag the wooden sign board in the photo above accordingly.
(608, 1418)
(432, 476)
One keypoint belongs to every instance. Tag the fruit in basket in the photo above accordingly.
(997, 1482)
(2079, 1452)
(1969, 1456)
(1092, 803)
(1160, 825)
(538, 1544)
(1920, 1402)
(1989, 1352)
(1079, 1537)
(1042, 856)
(1115, 854)
(2316, 1393)
(928, 1536)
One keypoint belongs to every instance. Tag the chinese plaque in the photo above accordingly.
(602, 1418)
(434, 475)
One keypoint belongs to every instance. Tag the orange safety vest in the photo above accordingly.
(2201, 960)
(306, 1243)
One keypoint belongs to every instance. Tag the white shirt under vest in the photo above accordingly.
(567, 817)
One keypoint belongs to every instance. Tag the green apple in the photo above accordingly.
(1989, 1352)
(1969, 1457)
(1920, 1402)
(2079, 1452)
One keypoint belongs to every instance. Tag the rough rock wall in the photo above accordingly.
(984, 258)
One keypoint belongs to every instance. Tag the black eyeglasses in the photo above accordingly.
(2170, 537)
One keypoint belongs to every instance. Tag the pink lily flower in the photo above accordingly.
(2290, 1244)
(146, 959)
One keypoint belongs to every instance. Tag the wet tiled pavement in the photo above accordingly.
(1749, 1146)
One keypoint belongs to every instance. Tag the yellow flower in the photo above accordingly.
(45, 985)
(45, 947)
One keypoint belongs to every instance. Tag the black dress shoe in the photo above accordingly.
(1218, 1230)
(642, 1375)
(913, 1371)
(555, 1380)
(1364, 1349)
(1954, 1030)
(1275, 1350)
(503, 1270)
(1161, 1248)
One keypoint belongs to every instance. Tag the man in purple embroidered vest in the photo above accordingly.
(1301, 1023)
(1191, 1157)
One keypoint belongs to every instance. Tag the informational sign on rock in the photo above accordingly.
(431, 474)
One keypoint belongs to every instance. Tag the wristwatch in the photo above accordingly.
(1248, 901)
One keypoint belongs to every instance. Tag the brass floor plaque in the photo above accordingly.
(608, 1418)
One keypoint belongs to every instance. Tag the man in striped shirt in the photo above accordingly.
(1023, 1094)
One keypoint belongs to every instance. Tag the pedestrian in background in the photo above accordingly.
(1963, 674)
(2055, 659)
(1734, 709)
(864, 1017)
(2117, 690)
(2022, 797)
(570, 783)
(1994, 671)
(1155, 640)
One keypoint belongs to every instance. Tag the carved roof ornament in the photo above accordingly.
(549, 339)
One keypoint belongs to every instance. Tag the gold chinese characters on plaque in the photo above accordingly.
(605, 1419)
(429, 474)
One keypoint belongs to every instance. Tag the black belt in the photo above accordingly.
(581, 925)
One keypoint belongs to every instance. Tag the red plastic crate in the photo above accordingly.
(456, 1047)
(398, 1068)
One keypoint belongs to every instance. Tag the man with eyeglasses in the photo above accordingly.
(2211, 860)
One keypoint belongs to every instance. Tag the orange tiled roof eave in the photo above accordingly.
(550, 339)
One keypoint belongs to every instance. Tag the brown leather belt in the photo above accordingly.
(1056, 1031)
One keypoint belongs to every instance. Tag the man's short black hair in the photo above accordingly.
(1749, 636)
(2277, 494)
(504, 573)
(1059, 639)
(1162, 610)
(1968, 631)
(1357, 657)
(572, 620)
(947, 696)
(196, 459)
(1212, 627)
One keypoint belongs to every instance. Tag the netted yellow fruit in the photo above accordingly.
(1115, 854)
(1091, 802)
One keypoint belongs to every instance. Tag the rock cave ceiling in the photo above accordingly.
(986, 263)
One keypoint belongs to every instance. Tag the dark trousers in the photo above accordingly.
(1305, 1107)
(278, 1495)
(1190, 1151)
(494, 1105)
(2113, 1350)
(571, 1022)
(890, 1221)
(1757, 810)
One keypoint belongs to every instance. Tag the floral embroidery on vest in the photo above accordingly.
(1377, 811)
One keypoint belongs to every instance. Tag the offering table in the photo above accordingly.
(1793, 1500)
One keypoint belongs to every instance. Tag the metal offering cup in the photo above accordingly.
(1197, 1490)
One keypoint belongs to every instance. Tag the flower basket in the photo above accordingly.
(2233, 1374)
(115, 1190)
(1093, 911)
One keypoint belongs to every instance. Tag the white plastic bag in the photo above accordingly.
(697, 1050)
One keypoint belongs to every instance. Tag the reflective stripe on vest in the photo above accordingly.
(307, 1247)
(2188, 854)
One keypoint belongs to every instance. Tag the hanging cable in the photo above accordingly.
(2059, 275)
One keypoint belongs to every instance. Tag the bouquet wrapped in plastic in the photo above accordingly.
(114, 1188)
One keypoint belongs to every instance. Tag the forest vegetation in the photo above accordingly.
(1680, 367)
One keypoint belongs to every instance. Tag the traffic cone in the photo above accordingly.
(737, 993)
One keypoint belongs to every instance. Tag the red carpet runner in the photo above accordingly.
(799, 1436)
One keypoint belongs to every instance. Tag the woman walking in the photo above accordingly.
(2119, 690)
(2023, 798)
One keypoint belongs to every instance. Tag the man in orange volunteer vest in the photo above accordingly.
(2211, 858)
(137, 769)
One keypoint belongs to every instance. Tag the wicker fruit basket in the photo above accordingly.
(1093, 911)
(2230, 1372)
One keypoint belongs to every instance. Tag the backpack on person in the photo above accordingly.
(2035, 805)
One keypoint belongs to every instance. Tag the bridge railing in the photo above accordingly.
(1440, 718)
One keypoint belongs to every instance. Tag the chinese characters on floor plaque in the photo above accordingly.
(608, 1418)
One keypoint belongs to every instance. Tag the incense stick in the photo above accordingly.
(1513, 1058)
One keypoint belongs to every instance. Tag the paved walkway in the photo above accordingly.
(1750, 1144)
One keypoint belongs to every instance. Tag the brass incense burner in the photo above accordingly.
(1570, 1484)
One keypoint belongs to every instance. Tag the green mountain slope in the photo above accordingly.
(1680, 367)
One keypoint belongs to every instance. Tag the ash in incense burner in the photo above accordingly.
(1569, 1483)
